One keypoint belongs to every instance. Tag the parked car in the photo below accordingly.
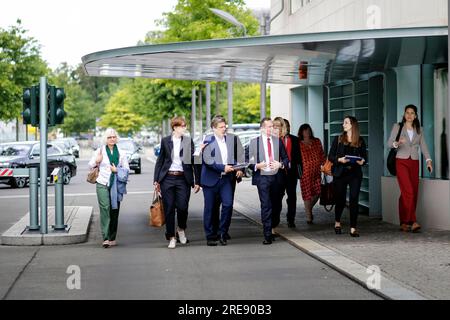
(132, 150)
(26, 154)
(72, 145)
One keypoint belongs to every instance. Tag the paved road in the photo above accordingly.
(142, 267)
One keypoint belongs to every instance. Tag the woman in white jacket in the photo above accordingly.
(108, 158)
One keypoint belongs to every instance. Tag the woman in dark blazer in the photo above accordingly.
(174, 174)
(348, 154)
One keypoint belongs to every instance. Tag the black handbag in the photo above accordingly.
(392, 156)
(327, 198)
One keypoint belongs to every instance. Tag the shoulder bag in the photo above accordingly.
(93, 173)
(392, 156)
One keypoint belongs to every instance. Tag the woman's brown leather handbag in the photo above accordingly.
(326, 168)
(93, 173)
(157, 218)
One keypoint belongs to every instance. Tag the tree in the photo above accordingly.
(191, 20)
(119, 113)
(20, 66)
(78, 104)
(246, 103)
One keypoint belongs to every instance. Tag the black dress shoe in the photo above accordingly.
(354, 234)
(338, 230)
(211, 243)
(267, 241)
(223, 241)
(291, 225)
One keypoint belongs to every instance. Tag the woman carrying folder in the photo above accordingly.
(348, 154)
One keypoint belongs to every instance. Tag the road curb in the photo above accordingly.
(388, 288)
(77, 219)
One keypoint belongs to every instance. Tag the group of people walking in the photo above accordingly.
(277, 160)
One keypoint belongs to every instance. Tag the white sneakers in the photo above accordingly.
(182, 236)
(172, 243)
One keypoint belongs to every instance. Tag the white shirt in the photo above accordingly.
(266, 151)
(223, 149)
(105, 166)
(177, 165)
(410, 134)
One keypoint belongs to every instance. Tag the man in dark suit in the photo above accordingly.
(174, 175)
(239, 157)
(268, 160)
(217, 176)
(292, 146)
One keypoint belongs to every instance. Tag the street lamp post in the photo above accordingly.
(228, 17)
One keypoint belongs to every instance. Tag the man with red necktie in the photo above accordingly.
(267, 159)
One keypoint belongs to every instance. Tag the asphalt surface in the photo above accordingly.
(142, 267)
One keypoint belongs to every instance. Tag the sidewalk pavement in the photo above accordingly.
(412, 265)
(77, 220)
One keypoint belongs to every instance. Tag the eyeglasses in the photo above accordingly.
(112, 137)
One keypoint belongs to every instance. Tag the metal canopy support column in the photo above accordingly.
(230, 104)
(263, 100)
(200, 110)
(217, 98)
(208, 105)
(193, 114)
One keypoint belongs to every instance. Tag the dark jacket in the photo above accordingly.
(339, 150)
(295, 167)
(254, 154)
(212, 165)
(164, 160)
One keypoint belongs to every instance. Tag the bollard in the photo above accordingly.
(34, 222)
(59, 201)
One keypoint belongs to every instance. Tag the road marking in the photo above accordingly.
(74, 194)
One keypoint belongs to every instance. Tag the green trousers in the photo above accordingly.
(109, 218)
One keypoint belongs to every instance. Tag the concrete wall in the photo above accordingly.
(339, 15)
(433, 209)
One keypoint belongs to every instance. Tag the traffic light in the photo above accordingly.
(56, 105)
(31, 106)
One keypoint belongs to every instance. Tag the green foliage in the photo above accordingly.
(246, 103)
(192, 20)
(119, 113)
(20, 66)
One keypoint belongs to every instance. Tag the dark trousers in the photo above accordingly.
(175, 194)
(216, 209)
(223, 192)
(353, 179)
(408, 181)
(291, 192)
(271, 199)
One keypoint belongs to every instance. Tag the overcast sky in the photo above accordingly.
(70, 29)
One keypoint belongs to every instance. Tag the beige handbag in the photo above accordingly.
(93, 173)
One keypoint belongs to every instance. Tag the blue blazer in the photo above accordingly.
(255, 154)
(212, 164)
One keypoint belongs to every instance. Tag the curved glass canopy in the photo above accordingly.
(302, 59)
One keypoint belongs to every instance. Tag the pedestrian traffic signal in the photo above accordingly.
(56, 106)
(31, 106)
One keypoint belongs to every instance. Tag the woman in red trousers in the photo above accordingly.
(407, 165)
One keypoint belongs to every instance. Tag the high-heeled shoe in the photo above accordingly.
(338, 230)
